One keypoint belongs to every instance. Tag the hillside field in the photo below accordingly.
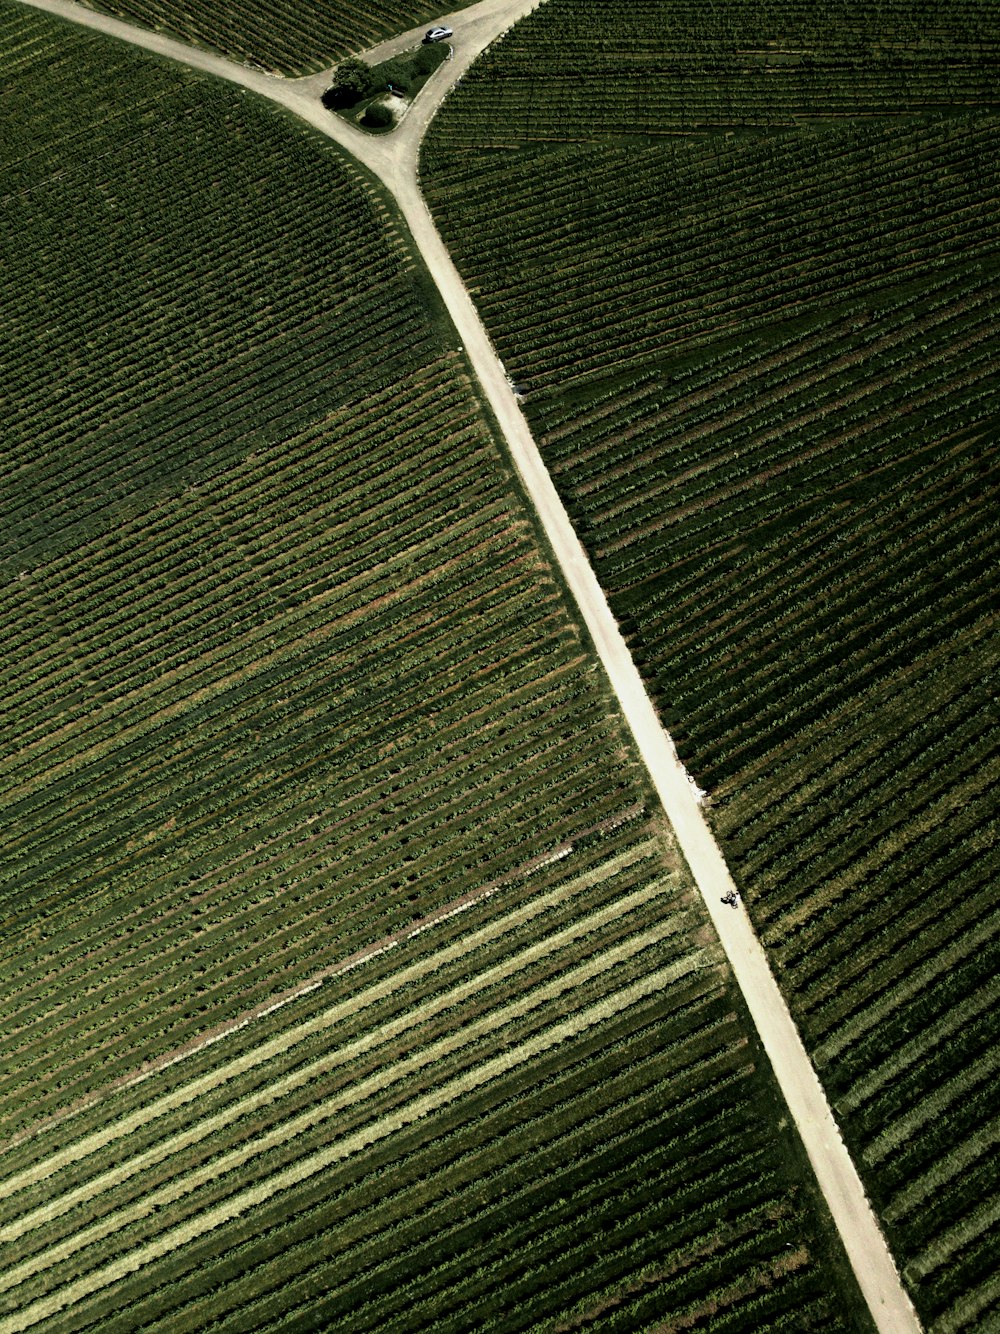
(742, 261)
(282, 36)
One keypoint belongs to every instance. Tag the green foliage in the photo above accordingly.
(302, 752)
(583, 69)
(378, 116)
(426, 59)
(398, 72)
(408, 72)
(352, 80)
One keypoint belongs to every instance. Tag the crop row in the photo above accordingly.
(288, 670)
(702, 267)
(349, 1066)
(331, 897)
(249, 351)
(768, 408)
(424, 967)
(581, 1117)
(396, 959)
(668, 66)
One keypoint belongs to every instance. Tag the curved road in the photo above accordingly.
(393, 159)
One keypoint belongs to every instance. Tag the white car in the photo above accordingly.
(437, 34)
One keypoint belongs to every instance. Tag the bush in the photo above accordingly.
(427, 58)
(396, 72)
(378, 116)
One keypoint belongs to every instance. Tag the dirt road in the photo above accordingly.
(393, 158)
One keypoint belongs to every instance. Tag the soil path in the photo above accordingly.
(393, 159)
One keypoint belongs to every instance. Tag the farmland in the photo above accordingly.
(597, 70)
(438, 1137)
(752, 304)
(282, 36)
(350, 979)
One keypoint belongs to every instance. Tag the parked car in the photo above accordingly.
(437, 34)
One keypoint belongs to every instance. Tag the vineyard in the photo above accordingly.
(597, 70)
(281, 36)
(349, 978)
(549, 1105)
(761, 367)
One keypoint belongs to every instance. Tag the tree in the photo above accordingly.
(352, 80)
(378, 116)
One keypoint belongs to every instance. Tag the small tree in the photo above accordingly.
(352, 80)
(378, 116)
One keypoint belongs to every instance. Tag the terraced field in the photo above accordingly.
(349, 979)
(283, 36)
(760, 366)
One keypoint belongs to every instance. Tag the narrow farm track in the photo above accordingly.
(393, 160)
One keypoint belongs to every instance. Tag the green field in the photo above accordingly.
(283, 36)
(350, 978)
(606, 70)
(752, 303)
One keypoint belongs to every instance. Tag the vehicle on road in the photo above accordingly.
(437, 34)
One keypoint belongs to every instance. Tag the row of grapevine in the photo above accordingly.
(376, 1102)
(762, 372)
(717, 242)
(351, 738)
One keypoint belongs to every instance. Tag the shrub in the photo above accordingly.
(427, 58)
(378, 116)
(396, 72)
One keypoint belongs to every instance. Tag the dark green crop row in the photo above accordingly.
(218, 602)
(573, 1180)
(220, 1187)
(303, 932)
(527, 698)
(305, 1048)
(615, 69)
(342, 1084)
(562, 883)
(288, 676)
